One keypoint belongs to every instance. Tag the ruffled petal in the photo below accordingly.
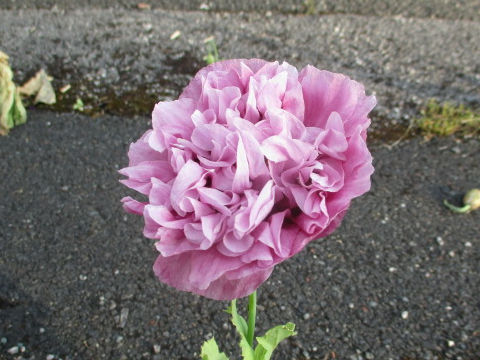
(252, 163)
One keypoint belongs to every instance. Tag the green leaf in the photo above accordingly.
(273, 337)
(212, 52)
(242, 329)
(12, 112)
(210, 351)
(19, 113)
(79, 106)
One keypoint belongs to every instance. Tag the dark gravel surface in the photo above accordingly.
(446, 9)
(121, 61)
(399, 280)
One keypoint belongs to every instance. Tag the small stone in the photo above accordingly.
(369, 356)
(306, 316)
(3, 340)
(119, 339)
(143, 6)
(392, 269)
(50, 357)
(204, 6)
(41, 330)
(13, 350)
(147, 26)
(468, 244)
(83, 277)
(451, 343)
(440, 241)
(404, 315)
(123, 317)
(451, 253)
(175, 34)
(351, 305)
(156, 349)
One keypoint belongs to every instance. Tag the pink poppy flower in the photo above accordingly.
(249, 165)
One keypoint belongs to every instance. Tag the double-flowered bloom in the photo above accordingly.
(250, 164)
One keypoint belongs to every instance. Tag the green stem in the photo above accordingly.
(252, 313)
(460, 210)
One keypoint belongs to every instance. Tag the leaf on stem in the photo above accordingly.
(210, 351)
(273, 337)
(242, 328)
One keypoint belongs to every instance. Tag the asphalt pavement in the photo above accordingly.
(398, 280)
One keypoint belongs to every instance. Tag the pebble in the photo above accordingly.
(456, 150)
(404, 315)
(156, 348)
(306, 316)
(41, 330)
(3, 340)
(451, 343)
(123, 317)
(468, 244)
(440, 241)
(83, 277)
(50, 357)
(13, 350)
